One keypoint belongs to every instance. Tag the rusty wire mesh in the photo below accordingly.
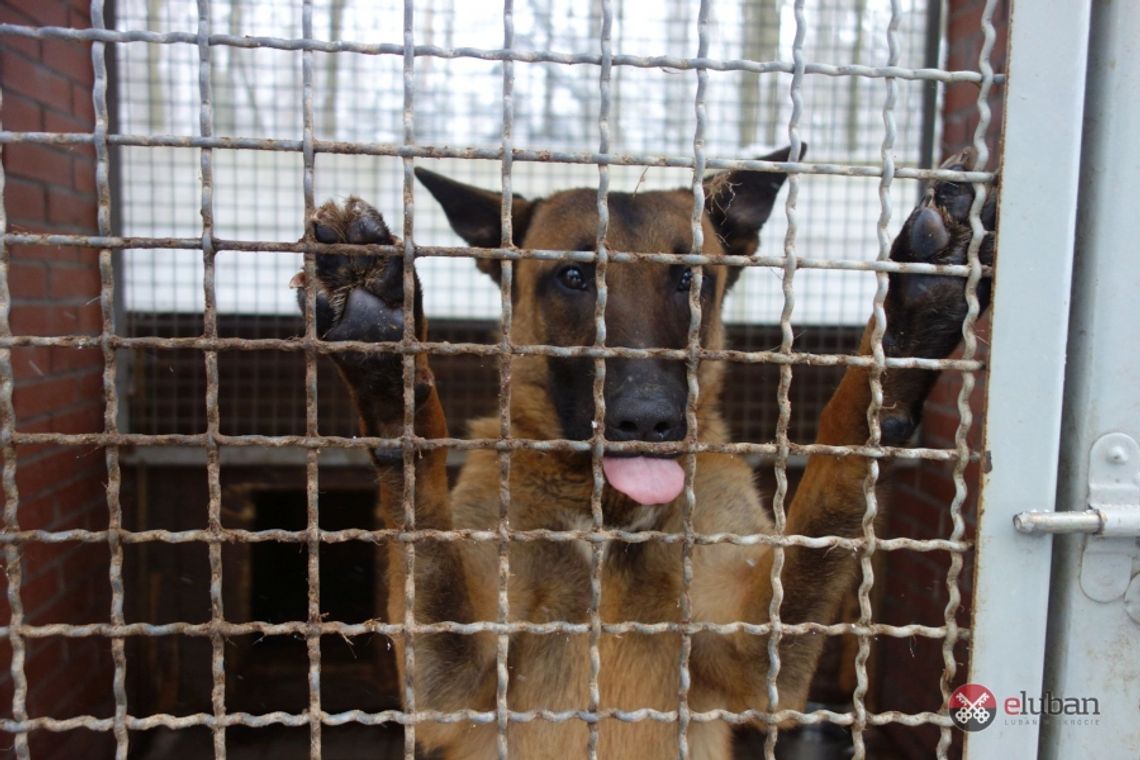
(112, 439)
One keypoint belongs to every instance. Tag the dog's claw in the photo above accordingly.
(323, 233)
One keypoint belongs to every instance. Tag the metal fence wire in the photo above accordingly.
(388, 125)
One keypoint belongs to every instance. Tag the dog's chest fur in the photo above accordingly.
(550, 580)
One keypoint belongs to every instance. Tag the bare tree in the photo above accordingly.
(155, 94)
(854, 84)
(677, 98)
(332, 72)
(760, 41)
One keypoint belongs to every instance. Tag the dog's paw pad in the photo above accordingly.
(360, 296)
(363, 316)
(928, 235)
(896, 428)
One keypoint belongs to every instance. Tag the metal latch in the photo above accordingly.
(1112, 519)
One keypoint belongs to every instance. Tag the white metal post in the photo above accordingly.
(1040, 172)
(1094, 646)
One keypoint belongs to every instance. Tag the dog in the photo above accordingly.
(362, 298)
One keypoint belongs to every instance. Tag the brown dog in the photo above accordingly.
(361, 298)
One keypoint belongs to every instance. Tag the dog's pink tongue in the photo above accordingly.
(646, 480)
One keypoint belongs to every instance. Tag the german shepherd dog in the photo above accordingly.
(361, 297)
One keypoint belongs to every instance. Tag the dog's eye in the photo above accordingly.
(685, 281)
(572, 277)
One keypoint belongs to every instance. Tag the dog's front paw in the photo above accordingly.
(360, 297)
(925, 312)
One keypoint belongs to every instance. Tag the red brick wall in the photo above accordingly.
(910, 669)
(46, 86)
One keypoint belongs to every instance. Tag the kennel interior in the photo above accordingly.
(169, 452)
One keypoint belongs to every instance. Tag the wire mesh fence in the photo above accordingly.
(230, 124)
(456, 88)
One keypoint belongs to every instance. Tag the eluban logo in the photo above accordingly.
(972, 707)
(1050, 704)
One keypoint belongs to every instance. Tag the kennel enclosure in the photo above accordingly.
(172, 450)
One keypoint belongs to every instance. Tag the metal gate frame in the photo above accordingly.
(1040, 174)
(1093, 647)
(1054, 160)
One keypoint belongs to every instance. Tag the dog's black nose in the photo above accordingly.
(638, 418)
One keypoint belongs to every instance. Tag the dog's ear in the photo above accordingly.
(474, 213)
(739, 202)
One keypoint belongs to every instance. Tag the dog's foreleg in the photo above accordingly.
(362, 298)
(924, 319)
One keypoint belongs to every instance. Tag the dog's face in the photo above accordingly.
(647, 306)
(647, 303)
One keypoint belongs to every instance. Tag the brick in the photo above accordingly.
(20, 252)
(40, 592)
(45, 14)
(916, 516)
(80, 15)
(84, 152)
(25, 202)
(89, 387)
(37, 513)
(10, 14)
(66, 359)
(84, 177)
(27, 281)
(961, 98)
(37, 319)
(21, 114)
(30, 362)
(90, 574)
(82, 504)
(90, 317)
(74, 283)
(71, 210)
(87, 419)
(36, 81)
(43, 558)
(44, 698)
(964, 27)
(74, 605)
(44, 475)
(55, 319)
(26, 46)
(71, 60)
(45, 658)
(32, 400)
(964, 54)
(54, 121)
(52, 255)
(37, 162)
(939, 427)
(81, 104)
(92, 695)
